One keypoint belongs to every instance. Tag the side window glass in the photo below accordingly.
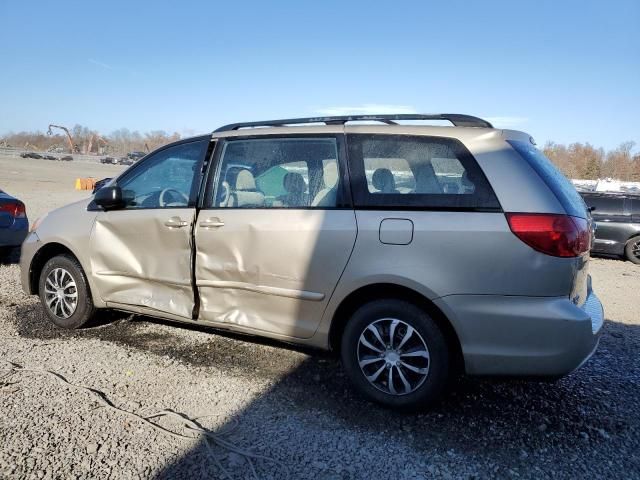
(416, 172)
(164, 180)
(277, 173)
(452, 176)
(388, 175)
(273, 182)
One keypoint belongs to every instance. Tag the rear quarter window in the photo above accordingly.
(560, 185)
(416, 172)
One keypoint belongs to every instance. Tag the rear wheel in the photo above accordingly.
(632, 250)
(395, 354)
(64, 292)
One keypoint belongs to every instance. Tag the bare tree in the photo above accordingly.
(620, 164)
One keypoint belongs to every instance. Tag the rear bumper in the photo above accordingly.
(14, 235)
(524, 336)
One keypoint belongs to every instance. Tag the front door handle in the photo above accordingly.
(176, 222)
(213, 222)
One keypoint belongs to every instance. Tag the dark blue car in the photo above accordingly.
(14, 225)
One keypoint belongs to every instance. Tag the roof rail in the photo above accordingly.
(456, 119)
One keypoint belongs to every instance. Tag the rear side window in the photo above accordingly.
(561, 187)
(402, 171)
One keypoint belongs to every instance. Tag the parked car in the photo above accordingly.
(125, 161)
(135, 156)
(109, 160)
(49, 157)
(414, 252)
(66, 158)
(14, 225)
(617, 218)
(31, 155)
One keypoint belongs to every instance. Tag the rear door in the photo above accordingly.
(274, 235)
(141, 254)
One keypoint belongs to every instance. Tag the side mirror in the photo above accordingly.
(109, 198)
(100, 183)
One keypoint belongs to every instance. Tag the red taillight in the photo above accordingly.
(15, 209)
(557, 235)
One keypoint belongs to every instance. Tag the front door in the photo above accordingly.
(141, 254)
(274, 236)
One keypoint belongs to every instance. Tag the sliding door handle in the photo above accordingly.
(176, 222)
(213, 222)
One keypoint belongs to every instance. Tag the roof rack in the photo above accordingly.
(456, 119)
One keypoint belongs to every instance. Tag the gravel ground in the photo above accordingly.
(292, 406)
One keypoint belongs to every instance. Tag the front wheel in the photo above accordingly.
(632, 250)
(64, 292)
(395, 354)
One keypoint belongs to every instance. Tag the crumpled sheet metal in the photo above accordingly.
(154, 271)
(272, 270)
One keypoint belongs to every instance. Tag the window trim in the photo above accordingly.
(207, 194)
(365, 200)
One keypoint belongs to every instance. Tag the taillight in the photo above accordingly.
(557, 235)
(15, 209)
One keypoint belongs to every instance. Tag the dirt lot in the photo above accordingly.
(293, 407)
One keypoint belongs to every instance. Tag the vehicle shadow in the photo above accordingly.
(577, 424)
(536, 429)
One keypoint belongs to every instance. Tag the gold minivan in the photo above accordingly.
(414, 251)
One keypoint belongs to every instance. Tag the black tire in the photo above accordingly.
(84, 309)
(424, 392)
(632, 250)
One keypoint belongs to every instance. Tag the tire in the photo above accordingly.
(64, 275)
(426, 383)
(632, 250)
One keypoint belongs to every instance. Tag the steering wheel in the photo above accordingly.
(163, 202)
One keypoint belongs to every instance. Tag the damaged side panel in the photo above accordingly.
(137, 259)
(271, 270)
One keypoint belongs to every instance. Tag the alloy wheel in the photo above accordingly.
(393, 356)
(61, 293)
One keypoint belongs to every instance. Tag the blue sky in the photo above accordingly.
(560, 70)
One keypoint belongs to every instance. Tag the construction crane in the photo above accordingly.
(72, 147)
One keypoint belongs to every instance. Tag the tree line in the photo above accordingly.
(85, 140)
(583, 161)
(576, 160)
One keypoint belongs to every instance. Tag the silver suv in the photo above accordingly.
(413, 251)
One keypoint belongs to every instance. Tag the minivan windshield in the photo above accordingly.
(560, 185)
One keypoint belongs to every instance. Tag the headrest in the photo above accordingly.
(245, 180)
(294, 183)
(383, 180)
(330, 171)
